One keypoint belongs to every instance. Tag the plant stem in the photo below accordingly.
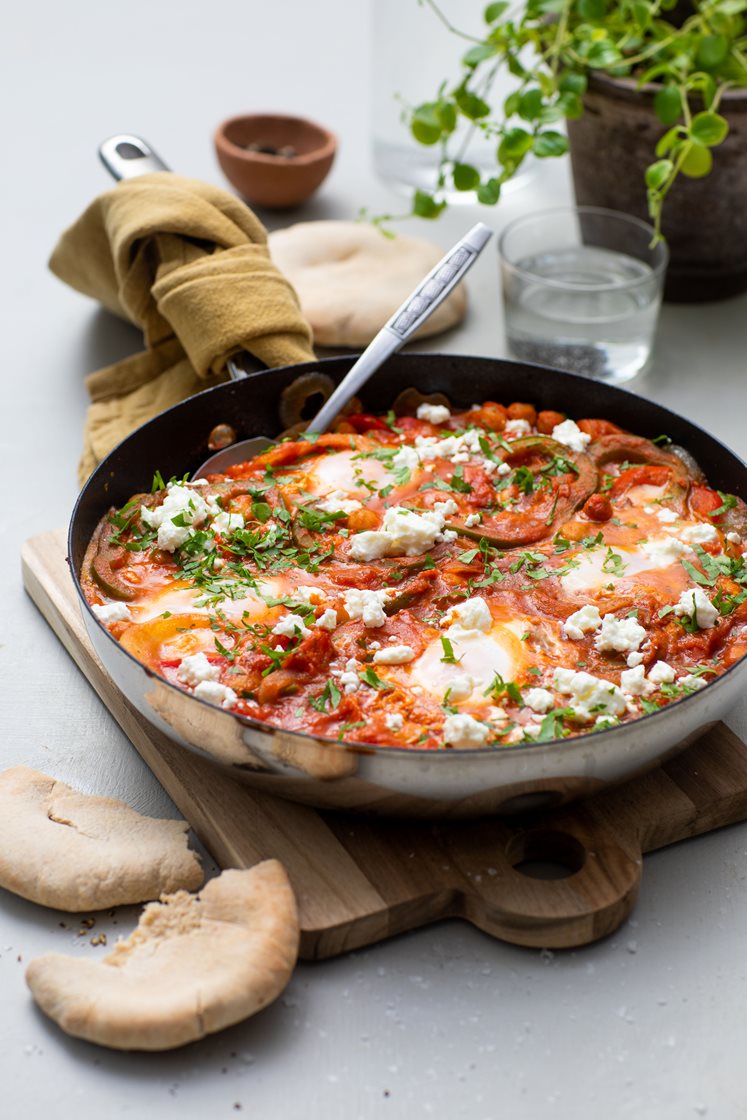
(559, 37)
(449, 25)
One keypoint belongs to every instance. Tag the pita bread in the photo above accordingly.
(194, 965)
(75, 852)
(350, 279)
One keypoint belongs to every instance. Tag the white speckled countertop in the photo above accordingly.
(441, 1023)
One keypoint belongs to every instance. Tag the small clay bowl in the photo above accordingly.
(289, 158)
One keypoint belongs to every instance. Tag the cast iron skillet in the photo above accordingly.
(382, 779)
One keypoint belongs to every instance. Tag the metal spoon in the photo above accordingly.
(418, 307)
(126, 156)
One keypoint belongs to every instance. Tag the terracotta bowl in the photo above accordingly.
(299, 157)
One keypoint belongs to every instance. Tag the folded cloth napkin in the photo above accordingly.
(188, 263)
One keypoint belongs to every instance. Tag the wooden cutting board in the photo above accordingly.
(359, 880)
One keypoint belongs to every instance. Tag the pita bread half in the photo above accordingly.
(76, 852)
(194, 965)
(350, 279)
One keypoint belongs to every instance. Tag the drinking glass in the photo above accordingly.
(582, 290)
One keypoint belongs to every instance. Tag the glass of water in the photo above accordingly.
(581, 290)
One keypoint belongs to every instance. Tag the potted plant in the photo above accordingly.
(648, 90)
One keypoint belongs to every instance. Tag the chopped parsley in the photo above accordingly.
(449, 656)
(331, 697)
(370, 678)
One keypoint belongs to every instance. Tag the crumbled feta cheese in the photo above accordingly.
(196, 668)
(562, 679)
(463, 731)
(429, 447)
(619, 635)
(289, 624)
(664, 551)
(570, 435)
(403, 533)
(393, 721)
(433, 413)
(472, 614)
(602, 722)
(226, 523)
(517, 428)
(171, 537)
(699, 534)
(338, 502)
(695, 603)
(667, 516)
(367, 605)
(328, 619)
(581, 622)
(406, 459)
(471, 520)
(634, 659)
(634, 683)
(371, 544)
(692, 682)
(394, 655)
(503, 469)
(460, 687)
(185, 504)
(348, 677)
(734, 538)
(531, 728)
(589, 695)
(308, 595)
(216, 693)
(111, 612)
(661, 673)
(539, 700)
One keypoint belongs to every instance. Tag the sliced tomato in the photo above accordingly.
(703, 501)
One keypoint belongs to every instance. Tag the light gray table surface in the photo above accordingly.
(444, 1022)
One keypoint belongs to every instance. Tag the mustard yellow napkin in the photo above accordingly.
(188, 263)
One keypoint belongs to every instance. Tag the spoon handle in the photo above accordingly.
(419, 305)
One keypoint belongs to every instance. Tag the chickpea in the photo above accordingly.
(519, 411)
(362, 519)
(548, 420)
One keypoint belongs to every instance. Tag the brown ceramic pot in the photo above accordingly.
(704, 220)
(277, 181)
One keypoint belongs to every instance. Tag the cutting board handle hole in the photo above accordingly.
(545, 854)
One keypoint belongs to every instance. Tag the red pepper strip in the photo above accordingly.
(283, 453)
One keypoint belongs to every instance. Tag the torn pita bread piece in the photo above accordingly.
(350, 279)
(76, 852)
(194, 965)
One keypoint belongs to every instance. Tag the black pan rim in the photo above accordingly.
(551, 745)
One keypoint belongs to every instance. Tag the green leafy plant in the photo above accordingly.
(550, 47)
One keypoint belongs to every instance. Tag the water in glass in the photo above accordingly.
(586, 309)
